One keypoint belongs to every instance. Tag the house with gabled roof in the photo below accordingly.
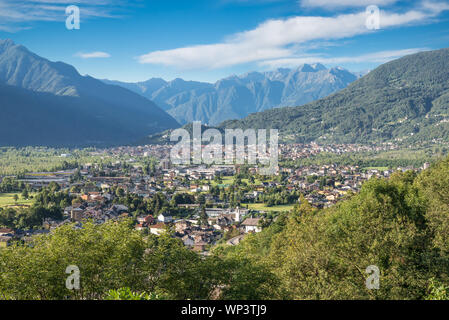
(251, 225)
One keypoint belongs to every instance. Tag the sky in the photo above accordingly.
(206, 40)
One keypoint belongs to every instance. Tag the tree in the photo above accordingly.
(25, 194)
(8, 217)
(437, 291)
(53, 186)
(398, 225)
(203, 218)
(110, 256)
(201, 199)
(120, 192)
(127, 294)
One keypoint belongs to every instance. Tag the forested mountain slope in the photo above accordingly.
(403, 100)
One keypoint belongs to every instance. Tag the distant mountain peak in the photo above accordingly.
(318, 66)
(5, 43)
(237, 96)
(305, 68)
(251, 75)
(311, 67)
(177, 80)
(283, 70)
(154, 80)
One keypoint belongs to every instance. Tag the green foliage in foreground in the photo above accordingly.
(127, 294)
(400, 225)
(437, 291)
(114, 256)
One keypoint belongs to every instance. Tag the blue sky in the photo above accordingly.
(206, 40)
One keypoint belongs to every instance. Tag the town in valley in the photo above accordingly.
(200, 204)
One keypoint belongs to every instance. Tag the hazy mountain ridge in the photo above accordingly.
(36, 88)
(236, 97)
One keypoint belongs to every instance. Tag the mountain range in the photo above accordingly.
(405, 100)
(50, 103)
(236, 97)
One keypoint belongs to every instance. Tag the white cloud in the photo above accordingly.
(16, 14)
(345, 3)
(280, 39)
(435, 6)
(96, 54)
(377, 57)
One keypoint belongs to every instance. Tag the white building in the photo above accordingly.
(164, 218)
(251, 225)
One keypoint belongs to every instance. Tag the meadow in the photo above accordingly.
(264, 207)
(7, 199)
(15, 161)
(230, 180)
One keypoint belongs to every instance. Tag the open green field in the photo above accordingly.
(230, 180)
(227, 180)
(376, 168)
(39, 159)
(256, 182)
(263, 207)
(7, 199)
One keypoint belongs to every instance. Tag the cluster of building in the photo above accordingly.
(322, 186)
(301, 151)
(8, 235)
(197, 236)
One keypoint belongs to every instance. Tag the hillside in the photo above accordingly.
(50, 103)
(404, 100)
(236, 97)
